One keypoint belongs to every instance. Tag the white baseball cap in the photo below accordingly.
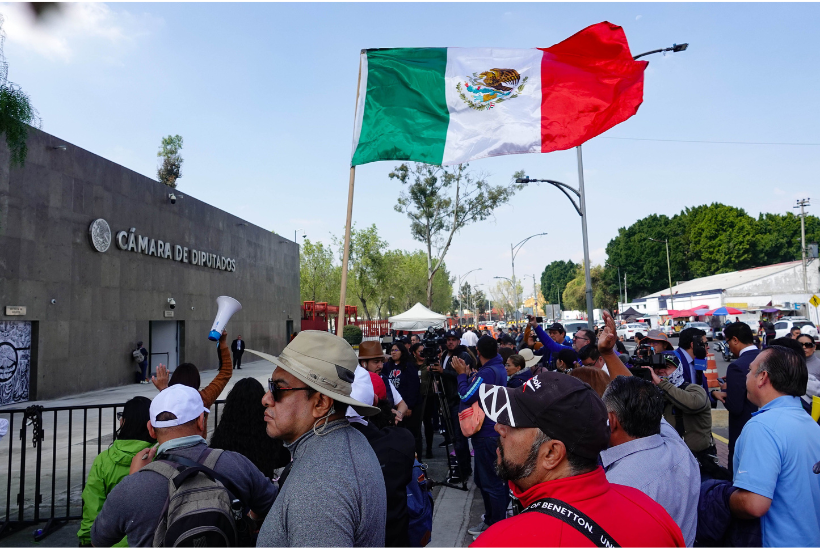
(182, 401)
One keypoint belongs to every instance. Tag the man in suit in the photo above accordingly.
(740, 340)
(686, 353)
(237, 349)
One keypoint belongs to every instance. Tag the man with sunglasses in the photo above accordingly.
(332, 493)
(740, 339)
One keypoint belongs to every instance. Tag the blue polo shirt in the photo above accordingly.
(774, 456)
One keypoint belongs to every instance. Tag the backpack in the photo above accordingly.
(201, 509)
(138, 356)
(419, 507)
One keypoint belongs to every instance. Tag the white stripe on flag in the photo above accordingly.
(359, 116)
(509, 127)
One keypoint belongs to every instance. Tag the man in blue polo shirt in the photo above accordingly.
(776, 451)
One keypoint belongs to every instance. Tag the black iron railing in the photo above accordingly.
(58, 459)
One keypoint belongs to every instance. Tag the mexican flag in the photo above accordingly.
(453, 105)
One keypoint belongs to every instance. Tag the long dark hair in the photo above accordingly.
(241, 428)
(405, 358)
(135, 420)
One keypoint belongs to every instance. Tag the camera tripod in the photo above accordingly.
(454, 468)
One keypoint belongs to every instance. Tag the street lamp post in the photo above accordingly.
(668, 269)
(620, 295)
(534, 296)
(460, 308)
(297, 231)
(514, 250)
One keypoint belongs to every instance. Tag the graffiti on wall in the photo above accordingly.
(15, 361)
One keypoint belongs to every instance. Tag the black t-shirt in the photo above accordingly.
(395, 448)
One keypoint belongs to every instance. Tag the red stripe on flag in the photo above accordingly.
(589, 84)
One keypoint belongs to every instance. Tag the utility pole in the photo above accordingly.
(802, 204)
(535, 296)
(626, 299)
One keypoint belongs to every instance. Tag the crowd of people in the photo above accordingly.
(570, 442)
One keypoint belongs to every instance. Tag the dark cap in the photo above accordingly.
(487, 347)
(453, 333)
(561, 406)
(557, 326)
(506, 339)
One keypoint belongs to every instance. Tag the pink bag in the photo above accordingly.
(471, 420)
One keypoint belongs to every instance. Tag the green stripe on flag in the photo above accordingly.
(405, 109)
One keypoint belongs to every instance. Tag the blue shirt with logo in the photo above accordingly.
(774, 456)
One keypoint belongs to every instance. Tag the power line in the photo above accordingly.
(706, 141)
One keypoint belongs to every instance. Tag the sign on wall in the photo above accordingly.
(15, 361)
(101, 237)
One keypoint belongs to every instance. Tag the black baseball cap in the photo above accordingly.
(561, 406)
(453, 333)
(557, 326)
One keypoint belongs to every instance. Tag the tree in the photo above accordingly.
(480, 301)
(504, 297)
(366, 264)
(16, 111)
(575, 294)
(554, 279)
(318, 277)
(170, 168)
(442, 200)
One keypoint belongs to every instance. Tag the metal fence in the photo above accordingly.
(48, 452)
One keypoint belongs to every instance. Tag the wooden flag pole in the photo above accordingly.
(346, 253)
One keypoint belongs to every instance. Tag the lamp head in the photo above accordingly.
(679, 47)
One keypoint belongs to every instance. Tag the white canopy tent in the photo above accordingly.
(417, 317)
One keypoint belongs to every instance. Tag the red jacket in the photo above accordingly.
(630, 517)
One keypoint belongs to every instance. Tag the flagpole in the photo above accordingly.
(583, 201)
(346, 253)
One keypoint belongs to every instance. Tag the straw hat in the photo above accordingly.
(324, 362)
(529, 357)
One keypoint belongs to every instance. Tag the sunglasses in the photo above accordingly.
(808, 345)
(276, 391)
(119, 416)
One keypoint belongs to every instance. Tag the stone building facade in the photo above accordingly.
(71, 314)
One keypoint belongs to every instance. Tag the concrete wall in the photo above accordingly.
(104, 301)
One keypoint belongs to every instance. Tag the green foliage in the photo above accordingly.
(440, 201)
(505, 299)
(170, 168)
(319, 279)
(352, 334)
(16, 111)
(574, 296)
(555, 278)
(381, 281)
(704, 240)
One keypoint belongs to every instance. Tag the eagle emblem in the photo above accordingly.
(483, 91)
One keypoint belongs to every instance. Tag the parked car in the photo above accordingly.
(705, 327)
(784, 326)
(501, 324)
(572, 327)
(627, 331)
(672, 327)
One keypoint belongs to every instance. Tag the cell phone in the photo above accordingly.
(721, 380)
(539, 319)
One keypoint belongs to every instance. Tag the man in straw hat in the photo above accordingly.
(332, 493)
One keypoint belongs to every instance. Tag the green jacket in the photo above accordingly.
(108, 469)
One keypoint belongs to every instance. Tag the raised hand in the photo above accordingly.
(160, 381)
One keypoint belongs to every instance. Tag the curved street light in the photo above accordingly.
(514, 250)
(460, 308)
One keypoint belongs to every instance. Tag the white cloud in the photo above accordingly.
(59, 34)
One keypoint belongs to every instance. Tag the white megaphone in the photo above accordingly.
(227, 306)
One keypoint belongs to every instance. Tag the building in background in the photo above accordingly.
(751, 290)
(95, 257)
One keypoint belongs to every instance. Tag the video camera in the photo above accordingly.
(432, 343)
(645, 356)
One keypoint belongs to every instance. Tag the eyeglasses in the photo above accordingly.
(119, 416)
(580, 338)
(394, 350)
(276, 390)
(808, 345)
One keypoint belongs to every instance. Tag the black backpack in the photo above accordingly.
(201, 508)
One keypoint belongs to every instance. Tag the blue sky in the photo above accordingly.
(263, 95)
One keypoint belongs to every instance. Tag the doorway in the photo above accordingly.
(163, 347)
(288, 329)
